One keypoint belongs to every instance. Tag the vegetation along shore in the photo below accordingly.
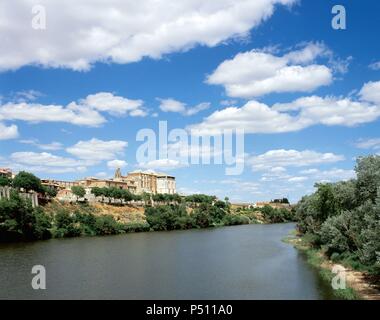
(340, 224)
(119, 211)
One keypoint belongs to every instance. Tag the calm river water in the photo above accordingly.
(242, 262)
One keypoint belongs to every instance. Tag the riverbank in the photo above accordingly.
(359, 285)
(19, 221)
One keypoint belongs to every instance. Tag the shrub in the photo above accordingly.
(202, 219)
(136, 227)
(277, 215)
(107, 225)
(20, 221)
(5, 181)
(184, 222)
(87, 222)
(65, 225)
(164, 217)
(43, 225)
(233, 220)
(78, 191)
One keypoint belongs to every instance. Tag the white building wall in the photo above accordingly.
(166, 185)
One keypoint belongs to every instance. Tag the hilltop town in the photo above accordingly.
(136, 182)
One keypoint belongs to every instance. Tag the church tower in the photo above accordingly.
(118, 174)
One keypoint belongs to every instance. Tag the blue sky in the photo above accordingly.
(312, 109)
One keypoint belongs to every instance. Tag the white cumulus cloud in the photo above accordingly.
(172, 105)
(81, 32)
(8, 132)
(371, 92)
(256, 73)
(98, 150)
(291, 158)
(88, 111)
(256, 117)
(115, 164)
(331, 175)
(373, 143)
(107, 102)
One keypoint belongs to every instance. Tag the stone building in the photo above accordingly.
(166, 184)
(127, 184)
(137, 182)
(58, 184)
(146, 181)
(149, 182)
(6, 172)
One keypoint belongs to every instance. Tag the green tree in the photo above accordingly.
(165, 217)
(87, 222)
(66, 225)
(344, 218)
(345, 194)
(50, 192)
(107, 225)
(202, 219)
(19, 221)
(97, 192)
(128, 196)
(5, 181)
(28, 182)
(368, 181)
(137, 197)
(43, 224)
(146, 198)
(78, 191)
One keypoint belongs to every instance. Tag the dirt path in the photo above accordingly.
(364, 285)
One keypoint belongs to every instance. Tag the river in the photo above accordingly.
(241, 262)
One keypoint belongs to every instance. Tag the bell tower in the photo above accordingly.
(118, 174)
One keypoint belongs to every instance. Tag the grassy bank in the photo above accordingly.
(358, 285)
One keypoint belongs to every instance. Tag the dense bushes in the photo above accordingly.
(344, 218)
(268, 214)
(19, 221)
(77, 224)
(5, 181)
(66, 225)
(166, 217)
(233, 220)
(27, 182)
(136, 227)
(176, 217)
(204, 215)
(277, 215)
